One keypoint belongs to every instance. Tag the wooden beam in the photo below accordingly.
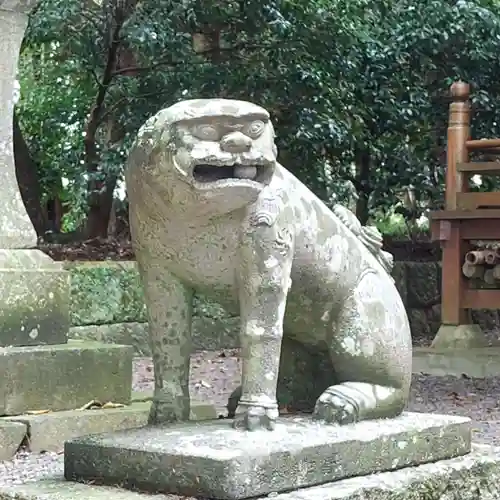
(479, 168)
(481, 229)
(475, 201)
(479, 144)
(481, 299)
(465, 214)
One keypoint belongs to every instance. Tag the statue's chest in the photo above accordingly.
(206, 256)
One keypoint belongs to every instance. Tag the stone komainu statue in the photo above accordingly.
(211, 211)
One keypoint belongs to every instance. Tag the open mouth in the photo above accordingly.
(212, 173)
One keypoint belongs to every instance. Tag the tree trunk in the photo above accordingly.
(27, 178)
(362, 184)
(100, 210)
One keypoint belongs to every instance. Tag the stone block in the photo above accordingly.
(12, 435)
(399, 275)
(459, 337)
(133, 334)
(424, 323)
(423, 284)
(213, 460)
(486, 319)
(49, 431)
(105, 293)
(476, 363)
(63, 377)
(475, 476)
(208, 334)
(199, 410)
(34, 304)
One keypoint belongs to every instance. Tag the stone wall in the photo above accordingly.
(107, 305)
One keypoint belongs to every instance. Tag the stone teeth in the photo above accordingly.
(245, 171)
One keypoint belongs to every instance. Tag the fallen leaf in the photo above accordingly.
(38, 412)
(90, 405)
(109, 404)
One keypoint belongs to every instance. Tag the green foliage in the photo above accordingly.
(356, 87)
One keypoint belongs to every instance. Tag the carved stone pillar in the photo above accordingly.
(16, 229)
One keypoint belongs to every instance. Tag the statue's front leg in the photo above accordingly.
(169, 306)
(266, 254)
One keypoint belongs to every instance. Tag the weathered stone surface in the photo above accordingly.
(217, 215)
(12, 434)
(199, 410)
(48, 432)
(423, 284)
(34, 299)
(459, 337)
(63, 377)
(214, 460)
(208, 334)
(475, 476)
(19, 6)
(476, 363)
(132, 334)
(16, 229)
(103, 293)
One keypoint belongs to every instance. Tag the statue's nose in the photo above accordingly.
(235, 142)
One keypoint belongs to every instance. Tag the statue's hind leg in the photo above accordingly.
(371, 353)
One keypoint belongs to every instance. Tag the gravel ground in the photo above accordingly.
(215, 374)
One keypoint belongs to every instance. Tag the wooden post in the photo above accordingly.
(454, 248)
(458, 134)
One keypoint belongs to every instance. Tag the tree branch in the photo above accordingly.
(122, 100)
(141, 69)
(172, 63)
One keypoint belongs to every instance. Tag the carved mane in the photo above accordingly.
(370, 236)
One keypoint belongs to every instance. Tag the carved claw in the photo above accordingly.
(251, 418)
(334, 406)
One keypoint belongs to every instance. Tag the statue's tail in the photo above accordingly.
(370, 236)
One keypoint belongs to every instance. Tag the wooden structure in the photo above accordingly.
(467, 215)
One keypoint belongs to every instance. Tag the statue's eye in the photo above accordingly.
(206, 132)
(254, 129)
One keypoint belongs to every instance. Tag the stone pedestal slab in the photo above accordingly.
(34, 299)
(48, 432)
(213, 460)
(477, 363)
(12, 435)
(63, 377)
(475, 476)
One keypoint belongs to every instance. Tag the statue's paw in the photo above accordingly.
(335, 406)
(253, 417)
